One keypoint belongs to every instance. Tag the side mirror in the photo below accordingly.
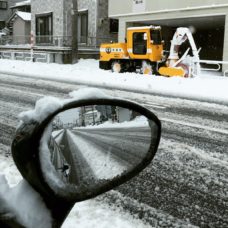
(84, 148)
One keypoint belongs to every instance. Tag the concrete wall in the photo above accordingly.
(225, 45)
(118, 7)
(27, 28)
(98, 25)
(91, 6)
(21, 31)
(18, 27)
(123, 114)
(56, 7)
(178, 15)
(67, 17)
(202, 14)
(98, 22)
(103, 29)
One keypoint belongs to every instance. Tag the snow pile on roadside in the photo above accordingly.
(47, 105)
(14, 193)
(44, 107)
(88, 214)
(206, 87)
(95, 214)
(9, 170)
(25, 203)
(87, 93)
(140, 121)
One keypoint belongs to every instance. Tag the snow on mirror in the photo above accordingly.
(94, 144)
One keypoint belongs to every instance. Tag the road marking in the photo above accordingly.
(222, 131)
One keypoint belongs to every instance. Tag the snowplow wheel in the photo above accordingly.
(116, 67)
(146, 68)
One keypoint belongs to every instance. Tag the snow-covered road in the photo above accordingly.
(207, 86)
(187, 184)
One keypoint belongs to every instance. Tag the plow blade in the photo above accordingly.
(172, 71)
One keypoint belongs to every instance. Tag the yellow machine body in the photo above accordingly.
(133, 49)
(112, 51)
(143, 46)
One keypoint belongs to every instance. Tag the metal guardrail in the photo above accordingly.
(19, 47)
(212, 63)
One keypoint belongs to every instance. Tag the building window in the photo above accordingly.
(113, 26)
(2, 24)
(3, 5)
(44, 28)
(83, 27)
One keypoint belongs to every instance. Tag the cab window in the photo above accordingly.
(139, 43)
(155, 36)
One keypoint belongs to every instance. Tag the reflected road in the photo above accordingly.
(102, 153)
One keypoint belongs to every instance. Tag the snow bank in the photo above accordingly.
(95, 214)
(25, 203)
(140, 121)
(87, 93)
(43, 108)
(88, 214)
(210, 88)
(48, 105)
(17, 197)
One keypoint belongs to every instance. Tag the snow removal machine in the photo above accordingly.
(143, 53)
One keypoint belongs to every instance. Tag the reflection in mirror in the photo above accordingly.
(93, 144)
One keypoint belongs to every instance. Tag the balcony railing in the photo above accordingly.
(58, 41)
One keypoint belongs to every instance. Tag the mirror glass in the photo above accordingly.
(90, 145)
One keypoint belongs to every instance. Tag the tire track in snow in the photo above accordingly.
(188, 178)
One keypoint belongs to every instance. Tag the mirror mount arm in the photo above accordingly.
(59, 210)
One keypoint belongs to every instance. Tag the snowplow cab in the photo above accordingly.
(145, 43)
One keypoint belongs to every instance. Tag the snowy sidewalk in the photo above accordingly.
(209, 88)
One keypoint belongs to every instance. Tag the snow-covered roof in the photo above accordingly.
(23, 3)
(82, 10)
(24, 15)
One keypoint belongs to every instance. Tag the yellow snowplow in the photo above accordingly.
(143, 52)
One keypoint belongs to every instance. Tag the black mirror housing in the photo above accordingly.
(26, 154)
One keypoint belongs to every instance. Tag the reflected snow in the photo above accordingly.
(98, 143)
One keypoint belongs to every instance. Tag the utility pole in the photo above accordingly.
(74, 19)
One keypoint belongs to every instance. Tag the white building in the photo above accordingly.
(209, 18)
(21, 27)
